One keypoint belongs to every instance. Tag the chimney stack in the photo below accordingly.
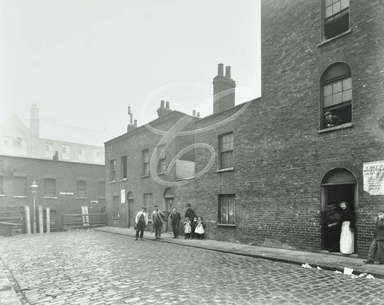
(131, 125)
(198, 114)
(164, 108)
(194, 113)
(34, 121)
(223, 90)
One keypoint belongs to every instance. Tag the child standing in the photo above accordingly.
(200, 228)
(193, 226)
(187, 228)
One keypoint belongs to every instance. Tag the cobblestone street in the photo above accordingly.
(89, 267)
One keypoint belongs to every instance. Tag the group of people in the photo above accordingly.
(340, 228)
(340, 233)
(193, 225)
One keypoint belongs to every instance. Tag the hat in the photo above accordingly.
(326, 113)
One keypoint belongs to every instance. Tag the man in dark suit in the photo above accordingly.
(175, 221)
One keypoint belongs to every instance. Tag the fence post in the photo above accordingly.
(48, 221)
(41, 225)
(27, 219)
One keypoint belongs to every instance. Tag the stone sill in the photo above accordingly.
(49, 197)
(342, 126)
(2, 195)
(226, 225)
(20, 196)
(229, 169)
(123, 179)
(324, 42)
(81, 198)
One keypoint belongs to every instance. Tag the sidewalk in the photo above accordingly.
(323, 260)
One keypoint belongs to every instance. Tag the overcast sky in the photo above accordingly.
(84, 61)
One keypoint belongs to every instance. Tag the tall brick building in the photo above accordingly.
(265, 171)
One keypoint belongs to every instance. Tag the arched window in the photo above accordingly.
(336, 17)
(336, 96)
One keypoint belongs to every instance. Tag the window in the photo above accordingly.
(20, 186)
(48, 150)
(81, 187)
(65, 152)
(50, 187)
(82, 156)
(147, 200)
(112, 169)
(116, 207)
(227, 209)
(1, 185)
(226, 151)
(336, 13)
(124, 173)
(145, 158)
(162, 165)
(336, 84)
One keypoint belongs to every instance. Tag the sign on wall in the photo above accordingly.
(373, 175)
(122, 196)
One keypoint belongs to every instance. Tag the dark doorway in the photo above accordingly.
(337, 186)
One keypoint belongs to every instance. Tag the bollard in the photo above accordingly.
(27, 219)
(41, 227)
(48, 220)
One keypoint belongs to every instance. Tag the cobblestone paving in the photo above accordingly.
(89, 267)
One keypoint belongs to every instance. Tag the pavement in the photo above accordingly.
(323, 259)
(92, 267)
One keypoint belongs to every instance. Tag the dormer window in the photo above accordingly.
(336, 13)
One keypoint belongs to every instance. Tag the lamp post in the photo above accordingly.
(34, 187)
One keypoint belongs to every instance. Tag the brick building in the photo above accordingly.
(18, 139)
(64, 187)
(265, 171)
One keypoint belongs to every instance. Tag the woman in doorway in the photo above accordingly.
(347, 237)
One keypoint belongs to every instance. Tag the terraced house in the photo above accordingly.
(265, 171)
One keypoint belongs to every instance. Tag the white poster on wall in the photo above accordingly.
(122, 196)
(373, 175)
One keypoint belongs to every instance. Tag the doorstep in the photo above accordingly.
(325, 260)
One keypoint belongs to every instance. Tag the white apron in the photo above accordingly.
(347, 239)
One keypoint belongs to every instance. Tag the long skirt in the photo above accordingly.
(347, 239)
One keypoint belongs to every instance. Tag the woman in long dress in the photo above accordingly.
(347, 236)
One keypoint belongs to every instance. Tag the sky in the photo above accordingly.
(83, 62)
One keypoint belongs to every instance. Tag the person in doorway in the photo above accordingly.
(141, 222)
(332, 228)
(175, 221)
(200, 228)
(189, 212)
(376, 249)
(187, 228)
(157, 221)
(347, 236)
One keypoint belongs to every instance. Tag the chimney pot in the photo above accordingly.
(167, 105)
(198, 114)
(228, 71)
(162, 104)
(194, 112)
(220, 69)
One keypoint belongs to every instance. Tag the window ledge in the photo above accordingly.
(112, 181)
(334, 38)
(342, 126)
(79, 198)
(2, 195)
(124, 179)
(229, 169)
(19, 196)
(50, 197)
(226, 225)
(184, 179)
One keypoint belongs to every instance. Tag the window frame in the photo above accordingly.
(223, 152)
(326, 20)
(162, 159)
(145, 171)
(47, 191)
(81, 192)
(112, 169)
(124, 167)
(342, 104)
(15, 178)
(220, 203)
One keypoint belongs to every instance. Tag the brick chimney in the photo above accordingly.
(132, 124)
(223, 90)
(163, 109)
(34, 121)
